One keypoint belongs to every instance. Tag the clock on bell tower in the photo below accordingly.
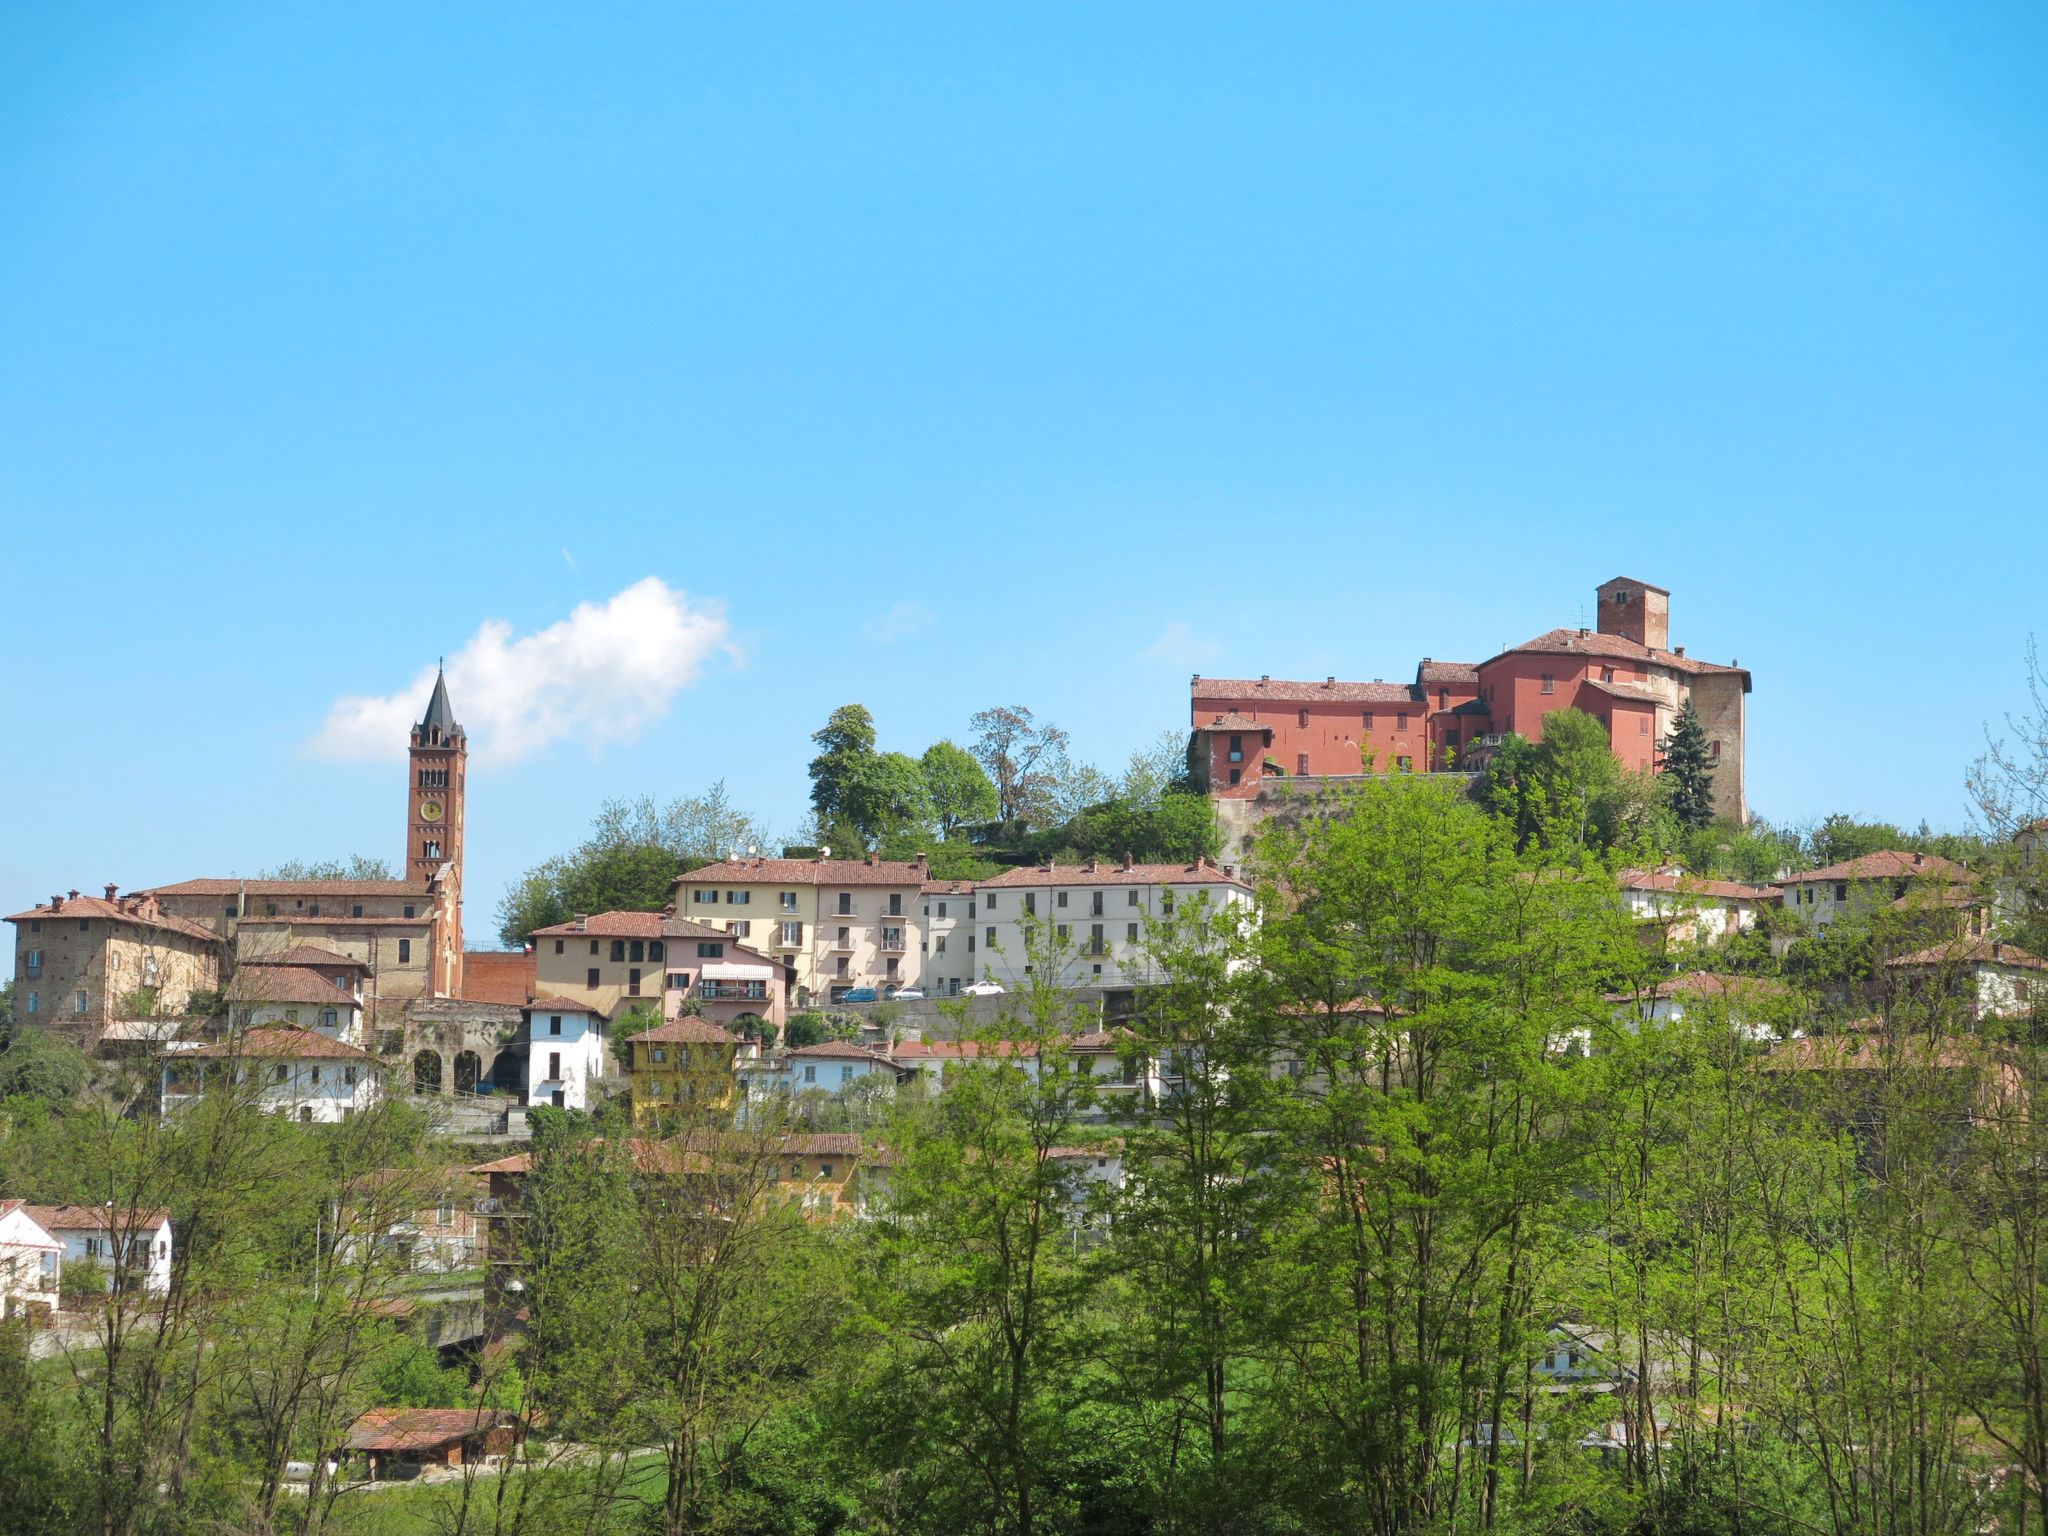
(433, 830)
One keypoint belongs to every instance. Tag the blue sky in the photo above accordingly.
(937, 357)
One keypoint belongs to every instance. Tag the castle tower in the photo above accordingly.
(433, 830)
(1635, 610)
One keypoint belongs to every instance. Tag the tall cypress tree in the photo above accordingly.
(1689, 769)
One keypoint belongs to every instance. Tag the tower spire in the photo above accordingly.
(439, 712)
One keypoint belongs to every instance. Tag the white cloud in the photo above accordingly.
(602, 674)
(899, 623)
(1180, 646)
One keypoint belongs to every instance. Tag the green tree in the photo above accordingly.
(38, 1067)
(883, 793)
(845, 743)
(1688, 769)
(1020, 756)
(959, 792)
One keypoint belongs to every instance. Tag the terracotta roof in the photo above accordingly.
(91, 1218)
(282, 1042)
(291, 888)
(1281, 691)
(823, 1144)
(1588, 642)
(611, 925)
(306, 954)
(498, 976)
(685, 1032)
(948, 888)
(125, 910)
(808, 872)
(839, 1050)
(557, 1005)
(1888, 864)
(1234, 723)
(1692, 885)
(1632, 693)
(421, 1429)
(1473, 707)
(1446, 672)
(925, 1050)
(337, 920)
(1868, 1052)
(1114, 874)
(287, 984)
(1975, 952)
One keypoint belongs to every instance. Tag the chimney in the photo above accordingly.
(1230, 871)
(1265, 677)
(1919, 859)
(56, 903)
(1127, 861)
(1330, 681)
(111, 891)
(871, 861)
(582, 918)
(1091, 866)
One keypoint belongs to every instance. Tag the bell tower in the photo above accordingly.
(433, 829)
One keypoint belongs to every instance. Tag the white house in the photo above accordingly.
(566, 1054)
(1754, 1004)
(947, 949)
(303, 987)
(935, 1060)
(1095, 915)
(1995, 980)
(1819, 896)
(29, 1261)
(296, 1072)
(1693, 908)
(830, 1066)
(132, 1246)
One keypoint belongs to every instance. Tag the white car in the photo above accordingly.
(982, 989)
(908, 995)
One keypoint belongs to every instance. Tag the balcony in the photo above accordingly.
(733, 991)
(892, 940)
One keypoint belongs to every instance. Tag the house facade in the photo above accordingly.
(683, 1069)
(661, 964)
(1820, 897)
(303, 986)
(841, 924)
(1989, 979)
(1092, 919)
(567, 1056)
(1687, 909)
(83, 962)
(30, 1263)
(133, 1247)
(299, 1073)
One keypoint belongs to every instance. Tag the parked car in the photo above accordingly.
(909, 995)
(982, 989)
(859, 995)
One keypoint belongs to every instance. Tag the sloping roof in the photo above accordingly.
(809, 872)
(1887, 864)
(1710, 984)
(307, 954)
(439, 712)
(611, 925)
(1233, 722)
(291, 888)
(1446, 672)
(284, 1043)
(1692, 885)
(93, 1218)
(423, 1429)
(126, 910)
(557, 1005)
(1975, 952)
(1283, 691)
(287, 984)
(838, 1050)
(956, 1050)
(1856, 1050)
(684, 1032)
(1629, 693)
(948, 888)
(1590, 642)
(1202, 873)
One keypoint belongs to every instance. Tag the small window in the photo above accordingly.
(1549, 683)
(1368, 719)
(1303, 719)
(1642, 725)
(78, 1005)
(789, 901)
(810, 1073)
(35, 1002)
(942, 909)
(558, 946)
(1715, 748)
(655, 951)
(1841, 894)
(1443, 698)
(845, 904)
(1095, 904)
(738, 898)
(618, 949)
(1060, 900)
(632, 983)
(590, 977)
(678, 981)
(409, 912)
(988, 903)
(356, 910)
(1031, 903)
(330, 1017)
(1062, 931)
(1301, 762)
(1237, 749)
(710, 951)
(1131, 932)
(1401, 721)
(659, 1054)
(639, 950)
(554, 1023)
(405, 951)
(1607, 674)
(593, 946)
(1236, 774)
(991, 939)
(1405, 764)
(895, 903)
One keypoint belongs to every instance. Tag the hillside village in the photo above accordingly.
(769, 1033)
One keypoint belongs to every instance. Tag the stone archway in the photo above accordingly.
(469, 1070)
(426, 1072)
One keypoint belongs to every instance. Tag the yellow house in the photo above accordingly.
(682, 1069)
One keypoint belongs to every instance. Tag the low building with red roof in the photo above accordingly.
(1091, 923)
(1989, 979)
(400, 1442)
(1688, 908)
(132, 1246)
(296, 1072)
(622, 963)
(1819, 897)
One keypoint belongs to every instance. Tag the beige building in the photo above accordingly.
(610, 962)
(842, 923)
(83, 962)
(947, 947)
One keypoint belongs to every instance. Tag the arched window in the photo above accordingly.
(426, 1072)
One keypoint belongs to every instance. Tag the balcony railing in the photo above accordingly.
(892, 939)
(733, 991)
